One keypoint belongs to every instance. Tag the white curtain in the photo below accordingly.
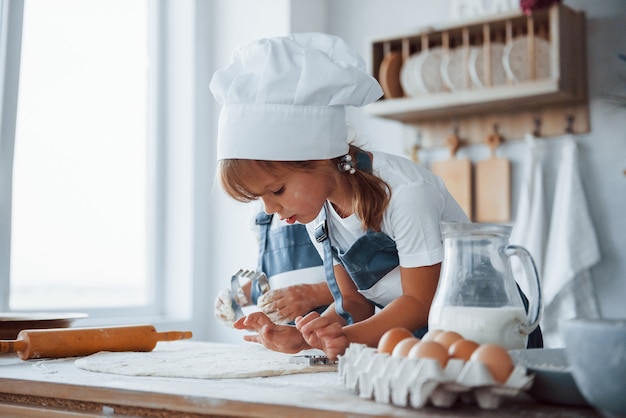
(11, 12)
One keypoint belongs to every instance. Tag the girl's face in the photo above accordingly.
(295, 196)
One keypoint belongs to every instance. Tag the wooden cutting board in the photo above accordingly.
(457, 175)
(493, 185)
(389, 75)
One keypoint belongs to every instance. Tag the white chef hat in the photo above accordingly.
(284, 98)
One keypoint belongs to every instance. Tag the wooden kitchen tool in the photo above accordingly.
(72, 342)
(457, 175)
(493, 185)
(389, 75)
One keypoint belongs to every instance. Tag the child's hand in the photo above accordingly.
(284, 305)
(224, 307)
(283, 338)
(319, 332)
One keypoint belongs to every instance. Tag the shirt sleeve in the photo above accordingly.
(414, 215)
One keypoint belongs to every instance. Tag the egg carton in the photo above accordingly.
(409, 382)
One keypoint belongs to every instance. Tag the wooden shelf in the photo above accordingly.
(442, 105)
(555, 103)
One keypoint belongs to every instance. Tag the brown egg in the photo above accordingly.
(447, 338)
(430, 335)
(430, 349)
(389, 339)
(462, 349)
(497, 360)
(403, 347)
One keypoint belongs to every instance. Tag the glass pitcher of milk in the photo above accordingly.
(477, 295)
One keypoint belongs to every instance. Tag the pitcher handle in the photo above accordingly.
(534, 301)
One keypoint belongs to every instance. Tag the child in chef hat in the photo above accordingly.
(374, 217)
(294, 272)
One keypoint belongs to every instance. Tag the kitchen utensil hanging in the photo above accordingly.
(457, 175)
(493, 185)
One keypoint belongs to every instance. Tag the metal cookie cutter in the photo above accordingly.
(312, 360)
(237, 295)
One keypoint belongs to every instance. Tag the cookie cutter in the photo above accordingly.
(237, 294)
(312, 360)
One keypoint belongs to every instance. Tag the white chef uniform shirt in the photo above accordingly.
(419, 202)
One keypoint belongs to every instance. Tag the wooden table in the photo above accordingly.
(57, 388)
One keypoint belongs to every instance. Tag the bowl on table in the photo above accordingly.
(553, 380)
(596, 352)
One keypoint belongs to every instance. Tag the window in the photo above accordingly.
(80, 177)
(105, 181)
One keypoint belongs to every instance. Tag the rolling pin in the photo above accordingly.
(74, 342)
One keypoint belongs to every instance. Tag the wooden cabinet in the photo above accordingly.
(548, 94)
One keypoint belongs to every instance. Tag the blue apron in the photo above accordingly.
(282, 249)
(368, 260)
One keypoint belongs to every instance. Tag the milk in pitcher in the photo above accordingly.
(483, 325)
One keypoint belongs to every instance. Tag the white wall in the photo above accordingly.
(602, 151)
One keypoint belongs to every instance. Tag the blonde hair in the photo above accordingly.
(370, 194)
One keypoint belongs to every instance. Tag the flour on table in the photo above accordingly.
(202, 360)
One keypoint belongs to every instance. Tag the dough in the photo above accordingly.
(202, 360)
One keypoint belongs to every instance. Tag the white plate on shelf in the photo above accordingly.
(453, 69)
(477, 65)
(516, 55)
(428, 67)
(408, 76)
